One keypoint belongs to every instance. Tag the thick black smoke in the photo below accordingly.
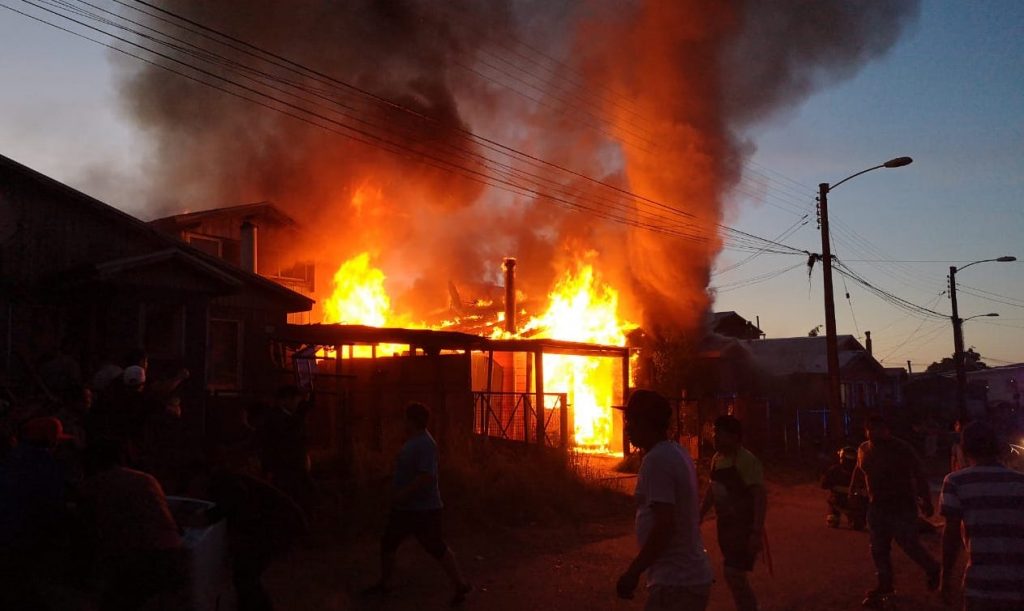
(700, 73)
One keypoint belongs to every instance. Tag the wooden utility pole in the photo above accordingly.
(835, 399)
(958, 349)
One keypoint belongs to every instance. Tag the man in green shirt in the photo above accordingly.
(896, 484)
(737, 493)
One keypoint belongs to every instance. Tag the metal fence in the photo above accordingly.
(514, 417)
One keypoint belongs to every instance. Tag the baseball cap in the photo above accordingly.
(134, 376)
(48, 430)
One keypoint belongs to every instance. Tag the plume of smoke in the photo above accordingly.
(692, 75)
(680, 81)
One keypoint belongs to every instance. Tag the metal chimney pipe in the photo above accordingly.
(867, 342)
(249, 246)
(510, 294)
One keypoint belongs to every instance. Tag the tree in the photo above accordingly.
(972, 362)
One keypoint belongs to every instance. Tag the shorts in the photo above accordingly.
(424, 525)
(735, 545)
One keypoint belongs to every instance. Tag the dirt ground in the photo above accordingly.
(575, 567)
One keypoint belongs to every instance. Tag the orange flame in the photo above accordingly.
(359, 296)
(584, 308)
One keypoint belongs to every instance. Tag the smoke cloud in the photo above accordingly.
(652, 96)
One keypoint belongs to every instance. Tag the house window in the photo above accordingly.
(162, 328)
(225, 354)
(208, 244)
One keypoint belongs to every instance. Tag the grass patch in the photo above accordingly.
(490, 487)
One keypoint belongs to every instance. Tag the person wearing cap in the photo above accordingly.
(672, 550)
(134, 378)
(125, 409)
(894, 477)
(983, 505)
(32, 512)
(738, 495)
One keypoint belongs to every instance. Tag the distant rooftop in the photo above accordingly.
(267, 211)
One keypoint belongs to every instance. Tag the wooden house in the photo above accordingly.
(86, 282)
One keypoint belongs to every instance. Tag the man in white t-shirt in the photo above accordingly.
(667, 517)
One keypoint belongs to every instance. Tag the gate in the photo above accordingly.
(514, 416)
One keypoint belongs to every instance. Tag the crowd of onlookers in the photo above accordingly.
(86, 467)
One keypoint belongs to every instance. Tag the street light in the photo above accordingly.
(980, 316)
(958, 335)
(835, 399)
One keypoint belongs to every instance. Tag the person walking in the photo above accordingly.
(283, 447)
(895, 481)
(985, 502)
(416, 507)
(738, 495)
(262, 524)
(837, 481)
(667, 515)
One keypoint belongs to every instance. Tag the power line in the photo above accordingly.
(375, 140)
(782, 236)
(894, 300)
(990, 293)
(914, 332)
(742, 239)
(739, 284)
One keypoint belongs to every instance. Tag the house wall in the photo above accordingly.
(1003, 384)
(369, 412)
(165, 308)
(54, 234)
(275, 252)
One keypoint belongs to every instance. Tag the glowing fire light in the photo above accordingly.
(359, 297)
(584, 309)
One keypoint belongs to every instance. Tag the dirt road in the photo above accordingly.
(815, 568)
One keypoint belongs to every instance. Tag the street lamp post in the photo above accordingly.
(835, 399)
(958, 336)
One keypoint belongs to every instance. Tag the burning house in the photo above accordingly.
(482, 360)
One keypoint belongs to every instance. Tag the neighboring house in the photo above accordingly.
(257, 237)
(83, 278)
(934, 394)
(1003, 384)
(802, 364)
(731, 324)
(892, 393)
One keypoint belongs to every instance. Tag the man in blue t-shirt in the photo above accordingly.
(416, 505)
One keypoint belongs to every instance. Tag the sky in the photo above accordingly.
(950, 94)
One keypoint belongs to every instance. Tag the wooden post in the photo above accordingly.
(485, 404)
(344, 419)
(526, 396)
(538, 377)
(625, 400)
(563, 422)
